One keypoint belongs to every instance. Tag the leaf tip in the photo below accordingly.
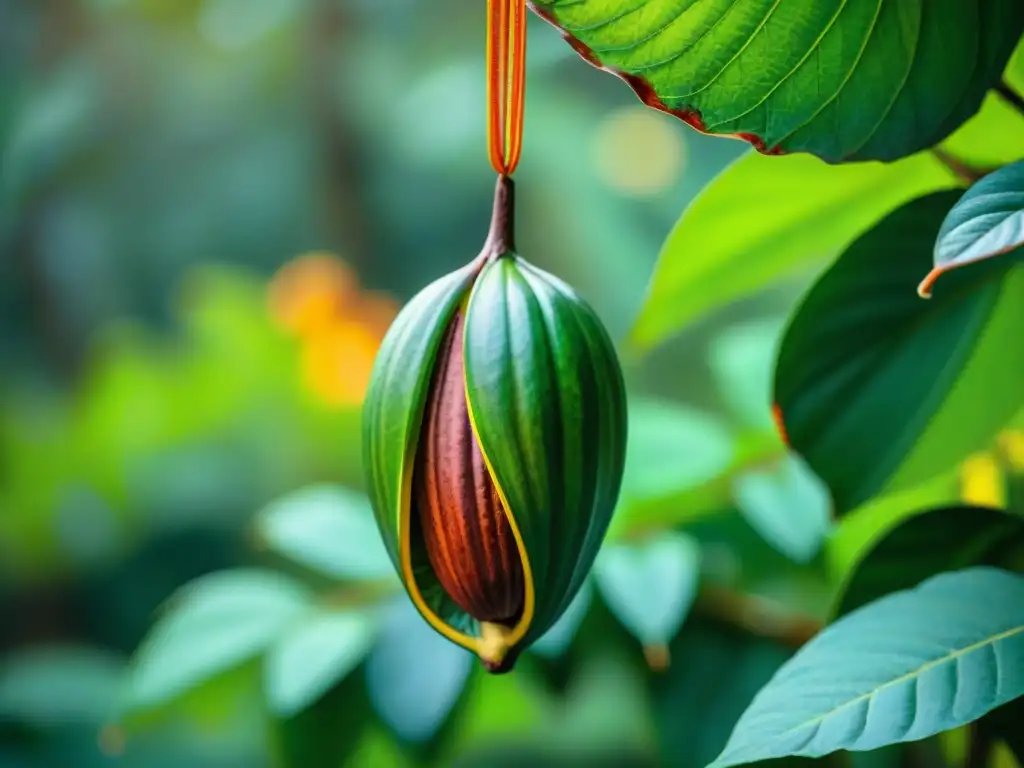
(924, 289)
(658, 657)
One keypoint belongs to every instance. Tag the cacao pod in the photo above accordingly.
(494, 445)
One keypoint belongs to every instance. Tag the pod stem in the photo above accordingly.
(501, 237)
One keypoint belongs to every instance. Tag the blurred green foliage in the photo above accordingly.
(209, 212)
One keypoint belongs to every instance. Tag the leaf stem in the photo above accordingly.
(1011, 96)
(967, 173)
(757, 615)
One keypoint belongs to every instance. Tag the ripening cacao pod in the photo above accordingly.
(494, 444)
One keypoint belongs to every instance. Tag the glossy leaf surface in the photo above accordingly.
(927, 544)
(731, 242)
(879, 389)
(903, 668)
(987, 221)
(854, 80)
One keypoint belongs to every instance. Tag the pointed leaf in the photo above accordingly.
(927, 544)
(652, 585)
(987, 221)
(903, 668)
(304, 663)
(859, 79)
(212, 625)
(763, 219)
(329, 529)
(414, 675)
(790, 508)
(880, 390)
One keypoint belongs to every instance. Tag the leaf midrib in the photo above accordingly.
(952, 656)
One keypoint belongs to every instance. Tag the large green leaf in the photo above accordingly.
(903, 668)
(987, 221)
(214, 624)
(879, 389)
(927, 544)
(853, 80)
(765, 218)
(328, 528)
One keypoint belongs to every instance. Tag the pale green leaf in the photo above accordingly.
(211, 626)
(650, 586)
(903, 668)
(329, 529)
(767, 218)
(313, 656)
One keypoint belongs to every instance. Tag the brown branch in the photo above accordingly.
(757, 615)
(966, 172)
(1011, 96)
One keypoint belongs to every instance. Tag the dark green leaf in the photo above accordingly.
(903, 668)
(328, 528)
(650, 586)
(212, 625)
(848, 80)
(729, 243)
(880, 390)
(987, 221)
(927, 544)
(789, 507)
(414, 675)
(328, 732)
(312, 656)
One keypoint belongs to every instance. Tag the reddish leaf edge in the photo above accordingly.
(645, 91)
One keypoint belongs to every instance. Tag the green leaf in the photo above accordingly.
(212, 625)
(987, 221)
(741, 359)
(716, 670)
(763, 219)
(328, 528)
(880, 390)
(553, 643)
(850, 80)
(46, 686)
(414, 676)
(790, 508)
(903, 668)
(313, 656)
(327, 732)
(927, 544)
(650, 586)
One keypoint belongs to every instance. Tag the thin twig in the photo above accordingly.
(757, 615)
(967, 173)
(1014, 99)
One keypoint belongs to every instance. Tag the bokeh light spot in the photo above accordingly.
(638, 151)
